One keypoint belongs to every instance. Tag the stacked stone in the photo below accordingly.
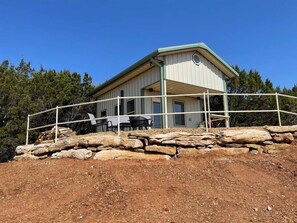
(144, 145)
(49, 136)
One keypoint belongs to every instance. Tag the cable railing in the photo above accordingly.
(206, 111)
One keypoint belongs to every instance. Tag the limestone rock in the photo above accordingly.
(96, 139)
(267, 142)
(136, 135)
(28, 156)
(40, 151)
(188, 152)
(24, 149)
(255, 152)
(124, 154)
(284, 137)
(93, 149)
(255, 147)
(295, 135)
(169, 150)
(184, 139)
(229, 150)
(131, 143)
(29, 148)
(244, 136)
(281, 129)
(81, 154)
(275, 148)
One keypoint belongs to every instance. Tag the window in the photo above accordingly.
(103, 113)
(196, 59)
(179, 118)
(131, 107)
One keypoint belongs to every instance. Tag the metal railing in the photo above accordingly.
(206, 110)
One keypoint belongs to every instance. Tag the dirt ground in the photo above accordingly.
(242, 188)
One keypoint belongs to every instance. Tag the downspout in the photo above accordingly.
(162, 91)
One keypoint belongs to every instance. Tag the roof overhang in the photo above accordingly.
(145, 64)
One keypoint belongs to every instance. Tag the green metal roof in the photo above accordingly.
(156, 53)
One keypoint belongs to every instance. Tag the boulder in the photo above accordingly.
(131, 143)
(96, 139)
(281, 129)
(295, 135)
(81, 154)
(169, 150)
(40, 151)
(29, 148)
(244, 136)
(284, 137)
(24, 149)
(124, 154)
(275, 148)
(229, 150)
(28, 156)
(184, 139)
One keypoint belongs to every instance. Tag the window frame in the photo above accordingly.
(131, 112)
(195, 62)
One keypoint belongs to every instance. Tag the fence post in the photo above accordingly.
(278, 111)
(205, 112)
(208, 106)
(57, 120)
(118, 102)
(27, 133)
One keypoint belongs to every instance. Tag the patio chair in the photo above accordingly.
(141, 122)
(95, 124)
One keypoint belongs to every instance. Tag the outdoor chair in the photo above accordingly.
(140, 122)
(95, 124)
(112, 123)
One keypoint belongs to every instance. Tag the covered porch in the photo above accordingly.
(179, 98)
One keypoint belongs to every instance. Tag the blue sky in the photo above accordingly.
(104, 37)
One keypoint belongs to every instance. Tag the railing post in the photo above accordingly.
(208, 106)
(118, 102)
(205, 112)
(57, 121)
(278, 111)
(27, 133)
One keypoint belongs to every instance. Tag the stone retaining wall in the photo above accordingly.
(151, 145)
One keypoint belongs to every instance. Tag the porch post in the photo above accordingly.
(163, 98)
(160, 64)
(226, 110)
(226, 107)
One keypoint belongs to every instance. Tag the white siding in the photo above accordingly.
(180, 67)
(191, 105)
(131, 88)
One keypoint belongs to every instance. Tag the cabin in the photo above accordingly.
(185, 69)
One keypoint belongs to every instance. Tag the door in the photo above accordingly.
(157, 118)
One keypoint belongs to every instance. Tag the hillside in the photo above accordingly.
(212, 188)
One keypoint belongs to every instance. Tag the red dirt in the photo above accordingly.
(201, 189)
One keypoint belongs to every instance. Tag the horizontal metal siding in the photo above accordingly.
(130, 88)
(180, 67)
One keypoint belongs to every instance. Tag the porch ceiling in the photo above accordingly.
(174, 87)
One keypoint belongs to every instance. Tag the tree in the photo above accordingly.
(25, 91)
